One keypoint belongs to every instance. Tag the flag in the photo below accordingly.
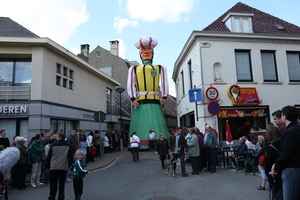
(228, 134)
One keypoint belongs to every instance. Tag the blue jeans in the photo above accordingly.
(291, 183)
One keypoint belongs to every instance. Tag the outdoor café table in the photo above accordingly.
(228, 152)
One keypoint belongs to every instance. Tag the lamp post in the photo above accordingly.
(120, 90)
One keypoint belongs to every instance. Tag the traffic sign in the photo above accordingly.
(195, 95)
(212, 93)
(213, 107)
(99, 116)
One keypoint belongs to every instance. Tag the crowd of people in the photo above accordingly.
(52, 158)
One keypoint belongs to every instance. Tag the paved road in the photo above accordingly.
(145, 180)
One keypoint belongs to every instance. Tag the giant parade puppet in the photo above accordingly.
(147, 86)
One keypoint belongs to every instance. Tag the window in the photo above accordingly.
(243, 66)
(65, 82)
(58, 68)
(190, 74)
(71, 85)
(65, 71)
(108, 96)
(66, 79)
(182, 81)
(97, 54)
(15, 70)
(239, 22)
(241, 25)
(71, 74)
(269, 66)
(293, 62)
(58, 78)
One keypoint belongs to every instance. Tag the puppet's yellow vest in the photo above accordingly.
(147, 81)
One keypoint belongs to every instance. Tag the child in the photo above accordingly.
(78, 173)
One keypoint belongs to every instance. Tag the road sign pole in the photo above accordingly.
(100, 134)
(196, 110)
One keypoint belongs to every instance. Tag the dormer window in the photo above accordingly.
(239, 22)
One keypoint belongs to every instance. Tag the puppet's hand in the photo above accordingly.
(163, 101)
(135, 103)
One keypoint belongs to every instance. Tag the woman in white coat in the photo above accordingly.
(135, 145)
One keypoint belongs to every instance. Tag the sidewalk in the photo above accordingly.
(99, 163)
(105, 160)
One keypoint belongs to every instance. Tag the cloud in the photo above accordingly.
(121, 23)
(165, 10)
(55, 19)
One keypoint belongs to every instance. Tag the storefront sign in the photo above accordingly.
(243, 95)
(233, 113)
(13, 109)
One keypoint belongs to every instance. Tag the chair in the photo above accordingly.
(249, 161)
(239, 159)
(222, 158)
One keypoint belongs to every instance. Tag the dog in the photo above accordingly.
(169, 164)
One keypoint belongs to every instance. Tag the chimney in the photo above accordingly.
(85, 49)
(114, 47)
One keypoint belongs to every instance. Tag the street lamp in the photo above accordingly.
(120, 90)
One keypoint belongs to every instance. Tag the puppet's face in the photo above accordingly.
(146, 54)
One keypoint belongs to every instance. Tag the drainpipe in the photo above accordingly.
(204, 45)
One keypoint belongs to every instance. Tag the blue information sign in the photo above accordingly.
(195, 95)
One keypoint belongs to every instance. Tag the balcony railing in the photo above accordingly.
(114, 109)
(14, 91)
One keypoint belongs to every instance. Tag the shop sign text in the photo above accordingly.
(14, 109)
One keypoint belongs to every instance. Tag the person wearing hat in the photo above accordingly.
(147, 86)
(20, 168)
(210, 142)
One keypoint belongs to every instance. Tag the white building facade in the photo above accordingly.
(245, 72)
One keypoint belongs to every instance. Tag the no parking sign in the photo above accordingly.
(213, 107)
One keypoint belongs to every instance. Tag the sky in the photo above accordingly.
(71, 23)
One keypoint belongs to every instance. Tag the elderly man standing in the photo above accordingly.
(20, 168)
(210, 141)
(59, 160)
(194, 150)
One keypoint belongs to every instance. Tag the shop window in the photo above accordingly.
(243, 66)
(269, 66)
(293, 62)
(58, 79)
